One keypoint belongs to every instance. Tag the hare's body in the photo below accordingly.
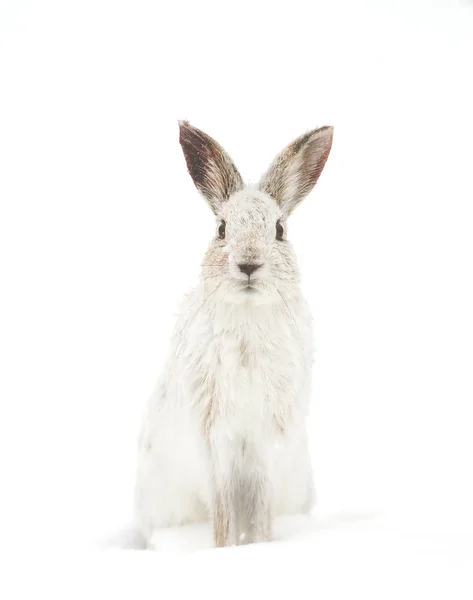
(224, 435)
(230, 407)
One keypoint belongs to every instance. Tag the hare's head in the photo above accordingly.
(250, 257)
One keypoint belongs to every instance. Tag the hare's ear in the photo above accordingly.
(212, 170)
(295, 171)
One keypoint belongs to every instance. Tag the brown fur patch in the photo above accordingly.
(244, 354)
(280, 424)
(281, 419)
(209, 416)
(205, 389)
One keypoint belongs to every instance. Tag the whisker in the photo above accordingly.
(203, 304)
(288, 309)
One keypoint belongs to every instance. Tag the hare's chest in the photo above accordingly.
(246, 373)
(252, 356)
(257, 374)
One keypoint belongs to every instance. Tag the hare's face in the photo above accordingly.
(250, 257)
(250, 254)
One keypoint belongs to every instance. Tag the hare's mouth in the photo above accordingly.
(250, 286)
(247, 287)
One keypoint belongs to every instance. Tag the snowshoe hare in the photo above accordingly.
(224, 434)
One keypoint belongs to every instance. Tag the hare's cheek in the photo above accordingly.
(215, 262)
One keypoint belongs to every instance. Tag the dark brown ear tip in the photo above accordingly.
(187, 133)
(184, 126)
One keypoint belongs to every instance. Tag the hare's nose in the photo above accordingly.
(248, 268)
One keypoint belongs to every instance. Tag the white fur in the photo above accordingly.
(226, 424)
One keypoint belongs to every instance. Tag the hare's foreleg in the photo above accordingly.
(255, 497)
(225, 496)
(225, 518)
(242, 494)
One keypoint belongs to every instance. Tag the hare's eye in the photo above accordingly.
(221, 230)
(279, 231)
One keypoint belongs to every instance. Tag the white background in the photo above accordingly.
(102, 231)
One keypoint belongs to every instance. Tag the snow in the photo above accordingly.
(336, 558)
(101, 232)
